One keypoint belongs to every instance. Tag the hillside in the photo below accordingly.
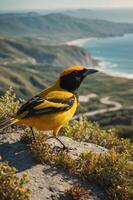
(64, 27)
(29, 68)
(19, 52)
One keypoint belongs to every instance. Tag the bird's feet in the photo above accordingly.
(58, 149)
(65, 148)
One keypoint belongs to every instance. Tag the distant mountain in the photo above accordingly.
(116, 15)
(58, 27)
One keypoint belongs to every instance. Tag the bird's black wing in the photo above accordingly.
(37, 106)
(34, 101)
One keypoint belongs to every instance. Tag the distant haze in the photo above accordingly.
(63, 4)
(116, 15)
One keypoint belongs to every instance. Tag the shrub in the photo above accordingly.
(76, 192)
(87, 131)
(12, 187)
(111, 170)
(9, 104)
(125, 131)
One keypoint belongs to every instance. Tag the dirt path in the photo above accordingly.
(87, 98)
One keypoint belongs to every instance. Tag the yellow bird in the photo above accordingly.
(53, 107)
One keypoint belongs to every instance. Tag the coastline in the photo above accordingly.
(102, 67)
(79, 41)
(101, 64)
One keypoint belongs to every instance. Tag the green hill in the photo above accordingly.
(58, 27)
(19, 51)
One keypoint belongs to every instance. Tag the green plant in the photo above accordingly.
(125, 131)
(113, 171)
(12, 187)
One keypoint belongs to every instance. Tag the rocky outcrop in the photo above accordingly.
(47, 182)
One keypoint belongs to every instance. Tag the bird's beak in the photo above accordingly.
(90, 71)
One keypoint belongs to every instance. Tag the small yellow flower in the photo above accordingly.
(22, 190)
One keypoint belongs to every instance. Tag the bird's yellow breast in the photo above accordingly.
(51, 121)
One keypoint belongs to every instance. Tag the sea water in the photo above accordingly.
(114, 53)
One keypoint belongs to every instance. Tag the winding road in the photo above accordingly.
(104, 100)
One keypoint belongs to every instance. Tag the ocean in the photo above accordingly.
(114, 53)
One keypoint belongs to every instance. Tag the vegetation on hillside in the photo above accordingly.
(63, 26)
(20, 51)
(121, 120)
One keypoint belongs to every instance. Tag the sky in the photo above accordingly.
(63, 4)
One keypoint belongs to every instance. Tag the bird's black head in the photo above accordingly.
(72, 77)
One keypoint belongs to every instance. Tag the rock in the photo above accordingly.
(75, 147)
(48, 182)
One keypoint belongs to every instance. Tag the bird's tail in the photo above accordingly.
(6, 122)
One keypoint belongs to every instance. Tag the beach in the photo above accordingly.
(104, 64)
(102, 67)
(78, 42)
